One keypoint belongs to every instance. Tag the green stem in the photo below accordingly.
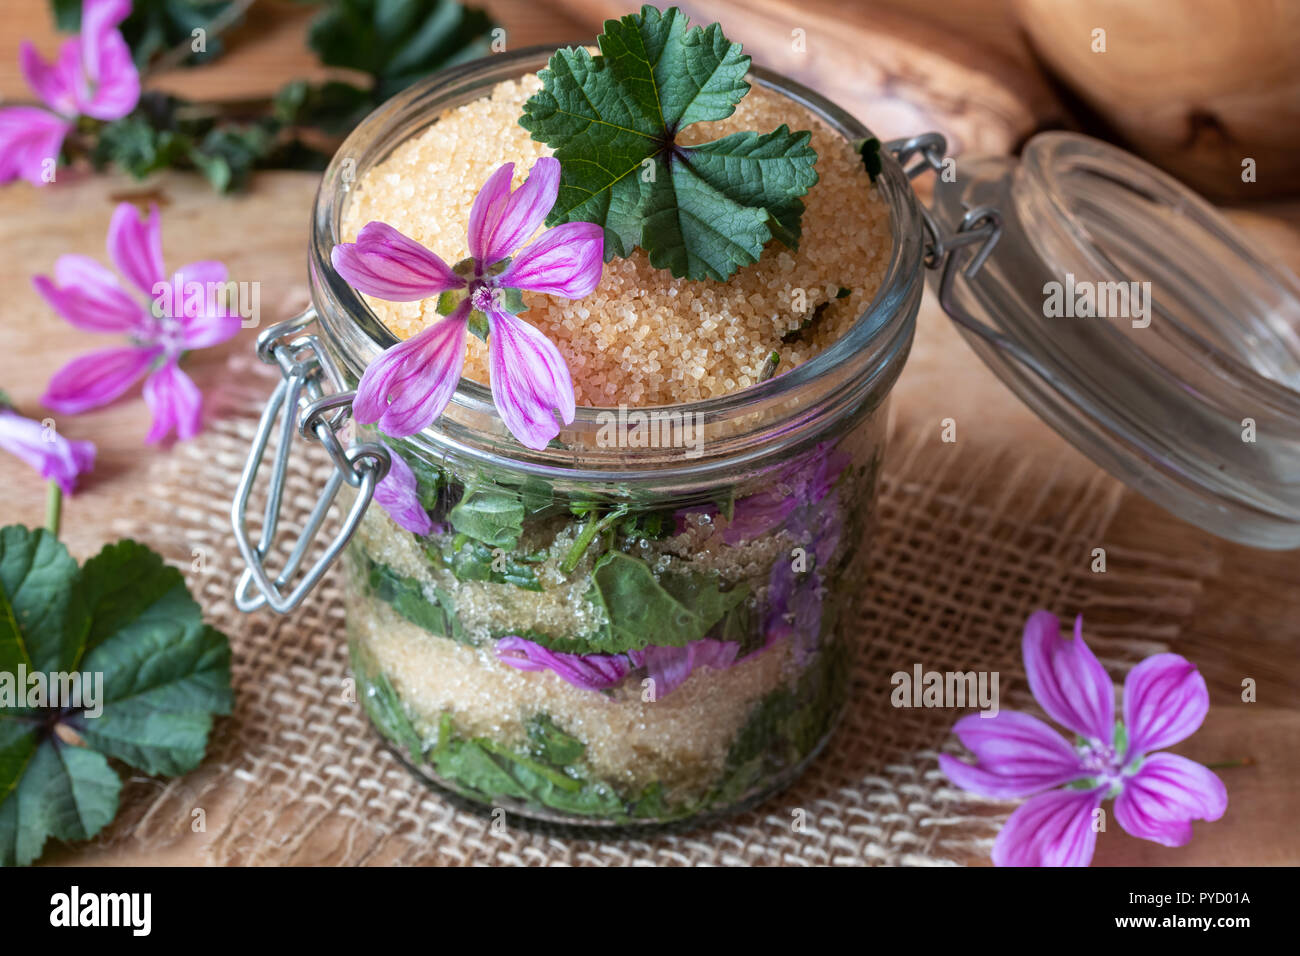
(1229, 764)
(53, 508)
(587, 535)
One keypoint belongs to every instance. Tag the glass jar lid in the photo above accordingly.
(1137, 322)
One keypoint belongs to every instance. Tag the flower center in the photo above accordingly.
(483, 296)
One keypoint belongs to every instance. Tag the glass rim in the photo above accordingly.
(868, 355)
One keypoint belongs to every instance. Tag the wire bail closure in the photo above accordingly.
(980, 228)
(311, 401)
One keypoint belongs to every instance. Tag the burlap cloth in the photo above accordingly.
(969, 541)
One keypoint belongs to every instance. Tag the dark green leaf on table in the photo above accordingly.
(398, 41)
(150, 672)
(156, 26)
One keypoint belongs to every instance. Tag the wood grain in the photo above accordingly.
(902, 73)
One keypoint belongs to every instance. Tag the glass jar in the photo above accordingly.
(642, 624)
(622, 632)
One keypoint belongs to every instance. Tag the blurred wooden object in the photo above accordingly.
(900, 71)
(263, 52)
(1195, 86)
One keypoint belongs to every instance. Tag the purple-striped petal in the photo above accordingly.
(114, 81)
(1165, 701)
(1066, 678)
(586, 671)
(1016, 755)
(391, 266)
(1168, 792)
(530, 381)
(399, 495)
(55, 457)
(89, 297)
(98, 19)
(500, 221)
(1051, 829)
(55, 83)
(30, 141)
(176, 403)
(135, 246)
(407, 387)
(198, 301)
(669, 667)
(97, 378)
(565, 261)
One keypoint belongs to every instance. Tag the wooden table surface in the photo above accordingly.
(1247, 623)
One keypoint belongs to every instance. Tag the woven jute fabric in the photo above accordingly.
(967, 543)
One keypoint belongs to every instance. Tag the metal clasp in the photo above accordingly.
(310, 401)
(980, 228)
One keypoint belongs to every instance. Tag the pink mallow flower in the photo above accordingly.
(667, 667)
(1157, 795)
(179, 314)
(407, 387)
(56, 458)
(399, 494)
(93, 76)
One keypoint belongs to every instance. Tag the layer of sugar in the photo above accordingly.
(643, 337)
(681, 739)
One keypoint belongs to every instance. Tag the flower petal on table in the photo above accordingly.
(1051, 829)
(55, 83)
(530, 381)
(399, 494)
(30, 141)
(391, 266)
(500, 221)
(1165, 701)
(135, 246)
(1159, 802)
(55, 457)
(97, 378)
(199, 303)
(176, 403)
(565, 261)
(1066, 678)
(407, 387)
(114, 80)
(1016, 754)
(89, 297)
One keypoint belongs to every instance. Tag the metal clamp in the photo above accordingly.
(300, 405)
(980, 229)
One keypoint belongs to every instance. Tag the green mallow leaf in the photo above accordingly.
(67, 792)
(43, 616)
(490, 515)
(473, 561)
(399, 41)
(551, 743)
(431, 608)
(384, 708)
(699, 211)
(672, 610)
(152, 677)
